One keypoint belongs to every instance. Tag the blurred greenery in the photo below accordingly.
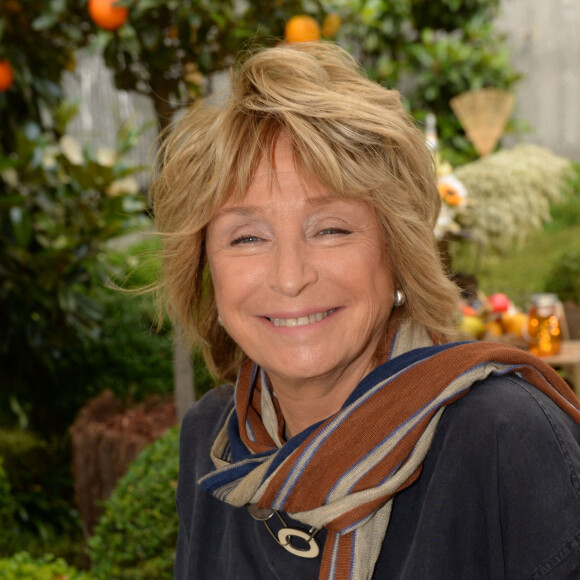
(7, 504)
(168, 48)
(24, 566)
(60, 203)
(136, 535)
(548, 261)
(431, 52)
(563, 278)
(40, 40)
(42, 517)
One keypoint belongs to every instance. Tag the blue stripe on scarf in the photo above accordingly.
(395, 365)
(239, 450)
(212, 483)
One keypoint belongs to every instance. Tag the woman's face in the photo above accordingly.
(302, 280)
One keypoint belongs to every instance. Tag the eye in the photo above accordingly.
(333, 231)
(245, 240)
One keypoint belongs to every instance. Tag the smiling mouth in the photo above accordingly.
(302, 320)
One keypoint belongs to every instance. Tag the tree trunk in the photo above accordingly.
(183, 379)
(183, 375)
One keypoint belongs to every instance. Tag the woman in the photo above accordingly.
(359, 441)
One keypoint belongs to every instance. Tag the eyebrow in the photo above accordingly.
(249, 210)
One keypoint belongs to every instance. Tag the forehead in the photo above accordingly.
(278, 177)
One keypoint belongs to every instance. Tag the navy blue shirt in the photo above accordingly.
(498, 498)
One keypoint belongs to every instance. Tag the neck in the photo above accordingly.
(304, 403)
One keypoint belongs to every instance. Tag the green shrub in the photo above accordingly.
(564, 278)
(7, 504)
(41, 495)
(61, 203)
(136, 535)
(567, 213)
(23, 566)
(431, 52)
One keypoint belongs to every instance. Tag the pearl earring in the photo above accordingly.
(400, 298)
(219, 321)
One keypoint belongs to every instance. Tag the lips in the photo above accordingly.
(302, 320)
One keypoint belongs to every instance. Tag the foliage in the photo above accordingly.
(520, 270)
(567, 213)
(38, 473)
(510, 193)
(60, 203)
(7, 504)
(23, 565)
(431, 52)
(39, 39)
(136, 535)
(451, 14)
(133, 357)
(564, 276)
(167, 49)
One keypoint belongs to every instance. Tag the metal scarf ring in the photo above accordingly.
(285, 534)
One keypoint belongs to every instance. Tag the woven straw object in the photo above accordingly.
(483, 114)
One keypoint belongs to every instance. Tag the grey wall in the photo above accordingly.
(545, 42)
(103, 109)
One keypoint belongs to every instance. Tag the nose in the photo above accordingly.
(292, 268)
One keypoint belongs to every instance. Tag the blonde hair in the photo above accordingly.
(347, 132)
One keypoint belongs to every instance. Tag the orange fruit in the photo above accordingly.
(106, 15)
(6, 76)
(515, 323)
(330, 25)
(302, 28)
(494, 328)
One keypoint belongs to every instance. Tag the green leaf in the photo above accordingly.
(21, 225)
(45, 21)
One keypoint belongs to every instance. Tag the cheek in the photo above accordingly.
(234, 281)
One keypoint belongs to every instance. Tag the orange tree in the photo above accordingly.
(167, 49)
(39, 40)
(60, 201)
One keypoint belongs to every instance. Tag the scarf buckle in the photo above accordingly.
(308, 547)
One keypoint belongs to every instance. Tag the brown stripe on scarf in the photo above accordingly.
(345, 548)
(251, 407)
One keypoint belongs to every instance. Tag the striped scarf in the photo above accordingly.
(342, 473)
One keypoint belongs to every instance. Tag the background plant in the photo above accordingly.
(168, 49)
(40, 40)
(23, 565)
(431, 51)
(60, 203)
(510, 194)
(136, 535)
(564, 276)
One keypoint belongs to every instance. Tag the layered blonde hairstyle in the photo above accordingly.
(346, 132)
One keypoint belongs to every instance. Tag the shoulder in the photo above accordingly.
(507, 433)
(215, 404)
(506, 406)
(201, 425)
(507, 422)
(499, 494)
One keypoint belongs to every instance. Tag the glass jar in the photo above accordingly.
(544, 326)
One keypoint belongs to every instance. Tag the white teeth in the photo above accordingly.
(302, 321)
